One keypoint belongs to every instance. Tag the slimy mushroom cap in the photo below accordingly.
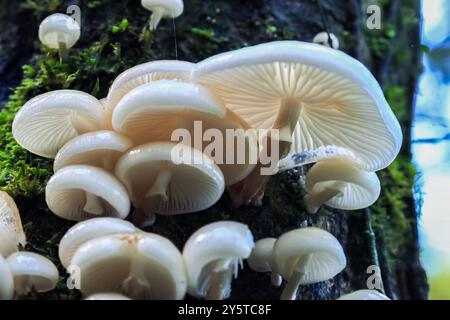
(59, 28)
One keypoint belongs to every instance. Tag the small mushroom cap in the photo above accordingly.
(140, 266)
(358, 189)
(364, 295)
(6, 281)
(84, 231)
(98, 149)
(340, 102)
(11, 231)
(139, 168)
(107, 296)
(323, 39)
(224, 240)
(172, 8)
(32, 271)
(327, 257)
(152, 112)
(261, 258)
(59, 28)
(47, 122)
(68, 189)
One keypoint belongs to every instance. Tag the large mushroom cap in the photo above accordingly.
(11, 231)
(152, 112)
(364, 295)
(158, 184)
(32, 271)
(6, 280)
(98, 149)
(326, 257)
(81, 192)
(336, 99)
(58, 28)
(162, 9)
(45, 123)
(213, 249)
(140, 266)
(84, 231)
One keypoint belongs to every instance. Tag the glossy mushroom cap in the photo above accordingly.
(339, 183)
(140, 266)
(324, 38)
(364, 295)
(59, 28)
(6, 281)
(81, 192)
(47, 122)
(99, 149)
(154, 112)
(107, 296)
(84, 231)
(213, 255)
(261, 259)
(159, 184)
(162, 9)
(306, 256)
(11, 231)
(32, 272)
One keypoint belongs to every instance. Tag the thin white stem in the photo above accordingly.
(93, 204)
(287, 119)
(220, 283)
(291, 288)
(135, 286)
(313, 201)
(62, 47)
(156, 17)
(160, 185)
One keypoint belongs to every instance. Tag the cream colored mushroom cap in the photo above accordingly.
(11, 230)
(195, 184)
(154, 111)
(59, 28)
(172, 8)
(6, 281)
(47, 122)
(84, 231)
(327, 257)
(358, 188)
(261, 258)
(67, 191)
(364, 295)
(224, 240)
(140, 266)
(98, 149)
(32, 271)
(340, 102)
(107, 297)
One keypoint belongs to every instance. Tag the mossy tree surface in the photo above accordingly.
(112, 41)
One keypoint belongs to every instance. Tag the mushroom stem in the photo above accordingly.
(155, 18)
(143, 218)
(93, 204)
(291, 288)
(313, 201)
(23, 286)
(159, 187)
(134, 285)
(62, 47)
(276, 279)
(108, 163)
(220, 281)
(286, 121)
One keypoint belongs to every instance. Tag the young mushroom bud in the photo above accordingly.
(364, 295)
(6, 280)
(11, 230)
(81, 192)
(162, 9)
(32, 272)
(340, 184)
(261, 259)
(107, 296)
(307, 256)
(213, 256)
(59, 31)
(140, 266)
(327, 39)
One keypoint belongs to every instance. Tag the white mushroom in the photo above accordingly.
(59, 31)
(213, 255)
(81, 192)
(325, 38)
(32, 272)
(364, 295)
(107, 297)
(84, 231)
(6, 281)
(306, 256)
(98, 149)
(11, 231)
(162, 9)
(261, 259)
(47, 122)
(140, 266)
(158, 183)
